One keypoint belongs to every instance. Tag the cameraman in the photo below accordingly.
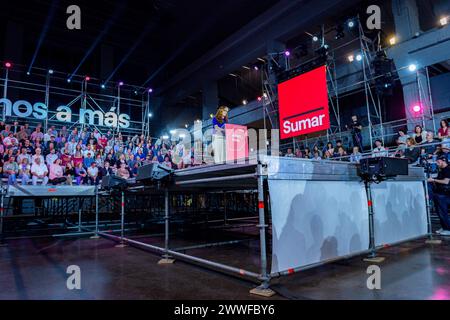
(439, 191)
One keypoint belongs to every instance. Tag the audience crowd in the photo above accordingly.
(78, 156)
(416, 146)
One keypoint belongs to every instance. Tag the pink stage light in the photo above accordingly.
(259, 99)
(287, 53)
(417, 108)
(8, 65)
(88, 78)
(121, 83)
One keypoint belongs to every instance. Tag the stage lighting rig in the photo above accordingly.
(339, 32)
(383, 68)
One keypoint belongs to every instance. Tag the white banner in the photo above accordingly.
(314, 221)
(399, 211)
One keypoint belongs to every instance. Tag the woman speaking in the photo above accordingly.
(218, 138)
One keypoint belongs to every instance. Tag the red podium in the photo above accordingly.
(236, 141)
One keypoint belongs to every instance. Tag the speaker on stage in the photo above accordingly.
(114, 183)
(154, 172)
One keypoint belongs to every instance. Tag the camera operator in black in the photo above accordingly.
(439, 191)
(356, 129)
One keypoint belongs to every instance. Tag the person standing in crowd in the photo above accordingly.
(439, 192)
(355, 128)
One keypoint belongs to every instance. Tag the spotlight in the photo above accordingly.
(87, 78)
(259, 99)
(68, 80)
(351, 23)
(315, 38)
(103, 86)
(417, 108)
(186, 125)
(135, 92)
(150, 90)
(412, 67)
(28, 73)
(120, 83)
(392, 40)
(150, 115)
(8, 65)
(358, 57)
(287, 53)
(211, 116)
(198, 120)
(244, 102)
(173, 131)
(443, 21)
(351, 58)
(50, 71)
(165, 137)
(256, 67)
(265, 95)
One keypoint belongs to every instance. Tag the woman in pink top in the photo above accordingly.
(56, 174)
(77, 159)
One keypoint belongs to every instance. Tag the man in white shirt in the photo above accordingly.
(39, 171)
(38, 155)
(93, 174)
(23, 155)
(379, 150)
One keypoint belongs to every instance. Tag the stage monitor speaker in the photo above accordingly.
(383, 167)
(153, 172)
(114, 183)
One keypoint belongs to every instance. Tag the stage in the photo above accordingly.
(307, 214)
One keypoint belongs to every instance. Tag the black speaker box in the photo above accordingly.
(383, 167)
(114, 183)
(153, 171)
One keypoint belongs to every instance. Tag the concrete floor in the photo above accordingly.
(36, 269)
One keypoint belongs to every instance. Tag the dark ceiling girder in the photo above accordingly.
(281, 22)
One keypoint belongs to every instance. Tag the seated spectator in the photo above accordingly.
(24, 171)
(307, 154)
(419, 135)
(317, 156)
(80, 174)
(10, 170)
(316, 149)
(401, 140)
(288, 154)
(39, 171)
(51, 157)
(37, 155)
(342, 154)
(77, 159)
(56, 175)
(23, 155)
(379, 150)
(88, 160)
(106, 170)
(93, 176)
(123, 171)
(412, 152)
(65, 158)
(168, 163)
(69, 173)
(430, 145)
(355, 157)
(443, 132)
